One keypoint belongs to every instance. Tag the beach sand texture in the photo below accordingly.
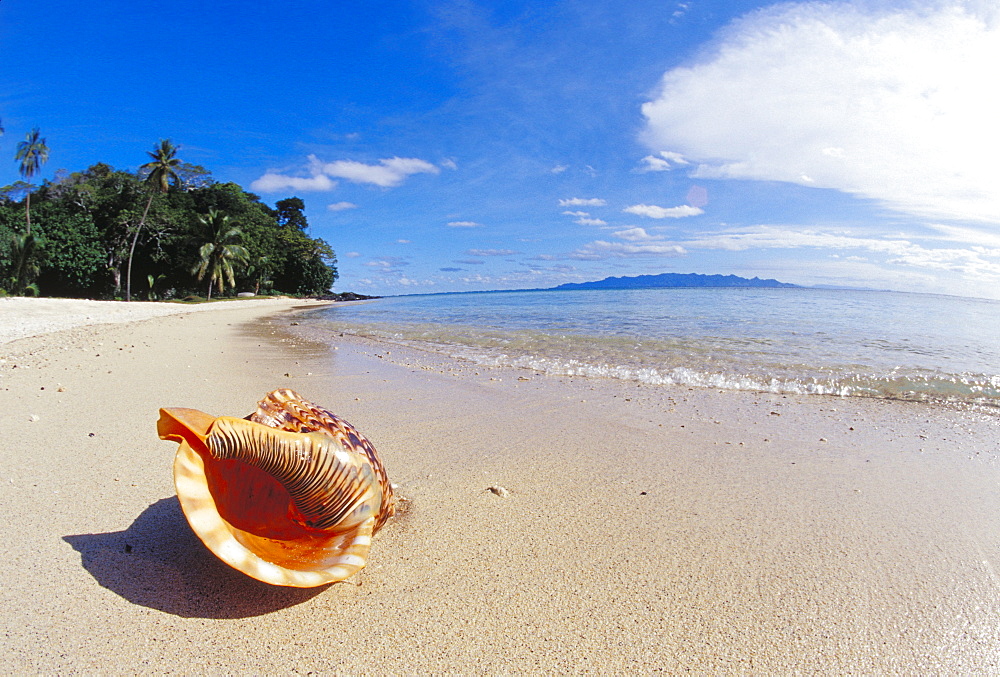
(646, 528)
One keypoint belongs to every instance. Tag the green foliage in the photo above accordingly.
(290, 213)
(111, 200)
(160, 173)
(222, 251)
(32, 153)
(151, 295)
(193, 176)
(9, 216)
(89, 221)
(259, 272)
(308, 266)
(74, 260)
(14, 192)
(26, 254)
(161, 170)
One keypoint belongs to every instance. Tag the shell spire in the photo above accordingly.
(291, 495)
(284, 409)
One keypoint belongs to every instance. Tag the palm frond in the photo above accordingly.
(32, 153)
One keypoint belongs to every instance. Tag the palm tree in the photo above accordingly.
(162, 172)
(153, 280)
(33, 153)
(220, 252)
(25, 252)
(258, 270)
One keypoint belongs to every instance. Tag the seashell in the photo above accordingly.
(291, 495)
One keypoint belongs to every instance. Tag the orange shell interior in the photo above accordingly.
(242, 515)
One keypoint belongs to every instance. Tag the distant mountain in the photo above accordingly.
(674, 280)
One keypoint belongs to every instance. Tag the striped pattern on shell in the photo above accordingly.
(291, 495)
(284, 409)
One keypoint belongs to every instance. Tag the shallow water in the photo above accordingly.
(849, 343)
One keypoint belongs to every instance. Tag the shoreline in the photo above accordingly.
(784, 352)
(22, 317)
(646, 527)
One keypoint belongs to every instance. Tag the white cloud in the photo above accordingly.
(636, 235)
(906, 257)
(676, 158)
(893, 103)
(559, 169)
(463, 224)
(448, 163)
(974, 262)
(582, 202)
(651, 163)
(585, 221)
(387, 263)
(576, 213)
(388, 173)
(780, 237)
(968, 235)
(341, 206)
(276, 183)
(654, 212)
(601, 249)
(491, 252)
(664, 163)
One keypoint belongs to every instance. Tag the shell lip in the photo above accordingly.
(241, 482)
(302, 561)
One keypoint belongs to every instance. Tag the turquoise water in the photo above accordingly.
(806, 341)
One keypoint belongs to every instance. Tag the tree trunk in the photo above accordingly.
(131, 251)
(115, 268)
(27, 210)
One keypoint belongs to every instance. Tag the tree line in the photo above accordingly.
(168, 230)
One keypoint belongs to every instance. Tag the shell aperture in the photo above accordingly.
(290, 496)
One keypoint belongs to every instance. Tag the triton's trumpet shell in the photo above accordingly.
(291, 495)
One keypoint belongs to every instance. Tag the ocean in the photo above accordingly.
(804, 341)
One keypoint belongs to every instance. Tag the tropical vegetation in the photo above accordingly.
(161, 173)
(220, 252)
(32, 153)
(170, 225)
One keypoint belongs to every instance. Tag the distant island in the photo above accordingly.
(345, 296)
(674, 280)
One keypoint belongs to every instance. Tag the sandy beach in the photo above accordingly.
(646, 528)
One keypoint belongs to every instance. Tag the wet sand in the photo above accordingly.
(646, 528)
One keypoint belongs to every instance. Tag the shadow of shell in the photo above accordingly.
(159, 563)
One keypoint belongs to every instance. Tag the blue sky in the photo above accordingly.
(460, 145)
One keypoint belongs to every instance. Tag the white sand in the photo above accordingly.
(646, 529)
(22, 317)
